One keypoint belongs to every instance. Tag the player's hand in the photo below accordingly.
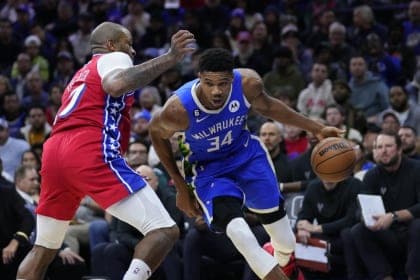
(69, 257)
(181, 44)
(382, 222)
(187, 203)
(8, 252)
(329, 131)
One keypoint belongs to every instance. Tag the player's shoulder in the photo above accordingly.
(174, 112)
(248, 73)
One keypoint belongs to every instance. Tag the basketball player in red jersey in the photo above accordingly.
(83, 156)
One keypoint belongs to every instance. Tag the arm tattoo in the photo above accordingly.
(142, 74)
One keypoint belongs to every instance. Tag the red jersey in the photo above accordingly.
(85, 105)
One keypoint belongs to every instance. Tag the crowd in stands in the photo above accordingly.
(351, 64)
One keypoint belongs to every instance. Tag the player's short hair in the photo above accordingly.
(216, 60)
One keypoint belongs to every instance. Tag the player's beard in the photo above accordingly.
(392, 161)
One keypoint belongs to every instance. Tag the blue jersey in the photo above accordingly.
(214, 134)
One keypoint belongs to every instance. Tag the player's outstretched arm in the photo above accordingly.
(171, 119)
(121, 81)
(275, 109)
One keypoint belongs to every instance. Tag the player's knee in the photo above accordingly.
(169, 234)
(224, 210)
(240, 233)
(269, 218)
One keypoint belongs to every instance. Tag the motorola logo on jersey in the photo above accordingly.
(234, 106)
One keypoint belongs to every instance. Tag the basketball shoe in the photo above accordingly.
(291, 269)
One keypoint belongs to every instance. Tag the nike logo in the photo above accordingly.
(202, 119)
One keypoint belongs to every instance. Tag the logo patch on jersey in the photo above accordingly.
(196, 113)
(234, 106)
(202, 119)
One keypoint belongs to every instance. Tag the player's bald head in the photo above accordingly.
(104, 32)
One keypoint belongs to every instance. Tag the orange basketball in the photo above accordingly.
(333, 159)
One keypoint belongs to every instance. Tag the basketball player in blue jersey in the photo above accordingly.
(226, 167)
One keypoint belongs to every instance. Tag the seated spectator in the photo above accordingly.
(285, 74)
(354, 118)
(406, 112)
(35, 93)
(149, 99)
(31, 159)
(14, 113)
(272, 136)
(369, 93)
(17, 224)
(140, 126)
(295, 141)
(333, 207)
(393, 241)
(67, 265)
(137, 154)
(11, 149)
(335, 116)
(408, 137)
(390, 122)
(56, 92)
(38, 129)
(313, 100)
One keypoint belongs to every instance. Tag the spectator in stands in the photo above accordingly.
(5, 87)
(302, 55)
(64, 69)
(140, 126)
(340, 51)
(364, 24)
(56, 91)
(412, 27)
(39, 63)
(406, 112)
(48, 41)
(380, 62)
(31, 159)
(17, 224)
(285, 74)
(271, 135)
(65, 22)
(14, 113)
(11, 149)
(67, 265)
(295, 141)
(336, 116)
(23, 22)
(333, 206)
(313, 100)
(354, 118)
(236, 25)
(393, 240)
(20, 69)
(408, 137)
(390, 122)
(263, 49)
(137, 154)
(35, 93)
(369, 93)
(320, 27)
(244, 55)
(8, 45)
(38, 129)
(80, 39)
(149, 99)
(137, 19)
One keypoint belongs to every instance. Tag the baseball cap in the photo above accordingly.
(289, 28)
(65, 55)
(143, 114)
(238, 12)
(32, 40)
(3, 123)
(243, 36)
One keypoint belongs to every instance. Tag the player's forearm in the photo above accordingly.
(142, 74)
(165, 154)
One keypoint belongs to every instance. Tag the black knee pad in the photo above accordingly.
(225, 208)
(269, 218)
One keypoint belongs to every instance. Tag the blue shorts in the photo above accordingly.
(251, 178)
